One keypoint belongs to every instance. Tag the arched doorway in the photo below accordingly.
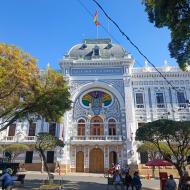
(96, 161)
(80, 162)
(112, 158)
(96, 126)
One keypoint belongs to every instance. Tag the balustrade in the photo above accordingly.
(97, 138)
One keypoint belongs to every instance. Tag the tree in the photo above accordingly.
(175, 15)
(26, 92)
(1, 149)
(152, 150)
(16, 149)
(175, 134)
(46, 141)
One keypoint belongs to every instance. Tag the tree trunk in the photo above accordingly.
(42, 164)
(45, 163)
(180, 172)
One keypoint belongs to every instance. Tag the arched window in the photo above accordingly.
(112, 127)
(81, 127)
(96, 126)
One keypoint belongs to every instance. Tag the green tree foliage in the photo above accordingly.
(175, 134)
(152, 150)
(16, 149)
(26, 92)
(45, 142)
(175, 15)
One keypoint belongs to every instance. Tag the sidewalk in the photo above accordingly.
(80, 180)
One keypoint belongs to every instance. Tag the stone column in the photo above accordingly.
(86, 159)
(147, 104)
(106, 157)
(130, 120)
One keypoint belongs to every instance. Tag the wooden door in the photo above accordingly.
(112, 158)
(12, 129)
(96, 161)
(80, 162)
(32, 129)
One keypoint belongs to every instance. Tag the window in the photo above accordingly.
(112, 127)
(96, 126)
(12, 129)
(181, 99)
(144, 157)
(140, 125)
(50, 156)
(29, 157)
(52, 129)
(160, 100)
(139, 100)
(81, 127)
(96, 51)
(32, 129)
(7, 156)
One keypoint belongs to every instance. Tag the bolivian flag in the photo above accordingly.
(97, 23)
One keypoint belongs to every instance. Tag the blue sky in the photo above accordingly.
(47, 29)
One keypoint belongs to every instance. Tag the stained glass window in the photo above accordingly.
(97, 99)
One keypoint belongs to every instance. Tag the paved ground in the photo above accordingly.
(78, 182)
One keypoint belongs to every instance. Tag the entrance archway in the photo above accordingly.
(112, 158)
(96, 161)
(96, 126)
(80, 162)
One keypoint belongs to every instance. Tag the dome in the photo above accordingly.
(96, 48)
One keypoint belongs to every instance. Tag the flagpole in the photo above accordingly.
(96, 32)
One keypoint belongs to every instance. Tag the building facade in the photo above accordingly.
(111, 99)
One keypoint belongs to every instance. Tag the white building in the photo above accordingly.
(111, 99)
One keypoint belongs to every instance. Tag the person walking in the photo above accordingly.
(171, 184)
(128, 181)
(136, 181)
(117, 179)
(7, 182)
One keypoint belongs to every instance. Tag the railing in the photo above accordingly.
(97, 138)
(11, 139)
(30, 138)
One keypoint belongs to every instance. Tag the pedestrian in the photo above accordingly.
(136, 181)
(171, 184)
(128, 181)
(7, 182)
(118, 167)
(117, 179)
(126, 169)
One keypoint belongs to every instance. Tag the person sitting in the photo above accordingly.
(171, 184)
(7, 182)
(136, 181)
(128, 181)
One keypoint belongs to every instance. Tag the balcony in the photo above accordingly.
(103, 139)
(16, 139)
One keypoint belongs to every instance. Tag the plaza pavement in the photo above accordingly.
(78, 181)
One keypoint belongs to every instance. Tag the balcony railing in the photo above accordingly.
(30, 138)
(9, 138)
(97, 138)
(13, 139)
